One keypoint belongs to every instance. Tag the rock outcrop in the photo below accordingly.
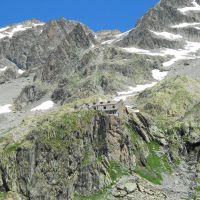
(77, 154)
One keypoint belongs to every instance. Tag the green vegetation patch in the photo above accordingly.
(135, 138)
(116, 170)
(170, 99)
(3, 195)
(101, 195)
(156, 164)
(12, 148)
(88, 158)
(56, 129)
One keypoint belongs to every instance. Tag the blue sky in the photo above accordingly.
(97, 14)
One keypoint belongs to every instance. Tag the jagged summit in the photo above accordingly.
(179, 17)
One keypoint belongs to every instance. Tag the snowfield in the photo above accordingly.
(5, 109)
(44, 106)
(187, 53)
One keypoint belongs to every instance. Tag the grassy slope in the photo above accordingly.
(170, 99)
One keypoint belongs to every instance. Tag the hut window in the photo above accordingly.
(113, 106)
(104, 107)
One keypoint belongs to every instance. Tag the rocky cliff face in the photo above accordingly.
(71, 155)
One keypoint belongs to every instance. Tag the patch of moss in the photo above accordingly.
(198, 186)
(87, 159)
(166, 163)
(149, 175)
(116, 170)
(198, 189)
(153, 147)
(156, 164)
(3, 195)
(135, 138)
(12, 148)
(101, 195)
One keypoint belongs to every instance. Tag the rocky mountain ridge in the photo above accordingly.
(51, 149)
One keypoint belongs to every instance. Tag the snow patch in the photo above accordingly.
(117, 38)
(5, 109)
(183, 25)
(44, 106)
(3, 29)
(195, 7)
(38, 24)
(108, 42)
(92, 46)
(142, 51)
(187, 53)
(10, 31)
(158, 75)
(167, 35)
(20, 71)
(3, 69)
(132, 91)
